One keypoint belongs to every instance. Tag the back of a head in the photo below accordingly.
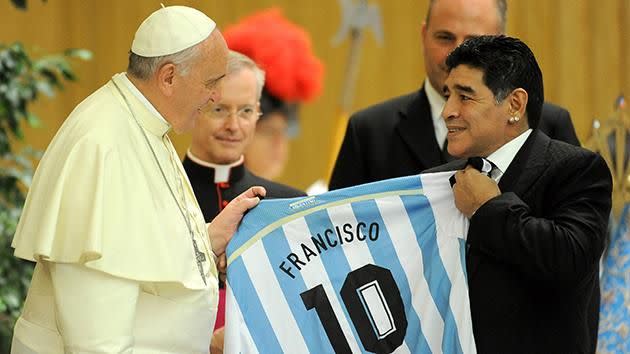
(501, 7)
(507, 64)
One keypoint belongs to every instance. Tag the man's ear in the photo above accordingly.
(518, 102)
(166, 78)
(423, 34)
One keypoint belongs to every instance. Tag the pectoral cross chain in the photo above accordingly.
(200, 257)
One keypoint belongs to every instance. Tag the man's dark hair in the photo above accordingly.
(507, 64)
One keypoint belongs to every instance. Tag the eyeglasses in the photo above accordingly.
(219, 112)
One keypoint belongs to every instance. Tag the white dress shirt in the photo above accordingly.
(437, 102)
(502, 158)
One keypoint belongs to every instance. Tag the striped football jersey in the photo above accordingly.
(376, 268)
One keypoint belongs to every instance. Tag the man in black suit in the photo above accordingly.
(405, 135)
(536, 237)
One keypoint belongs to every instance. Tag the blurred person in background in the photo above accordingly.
(293, 76)
(409, 127)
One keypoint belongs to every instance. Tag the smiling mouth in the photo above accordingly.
(229, 140)
(453, 130)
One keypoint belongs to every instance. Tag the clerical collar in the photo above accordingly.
(502, 158)
(437, 102)
(222, 173)
(141, 97)
(146, 115)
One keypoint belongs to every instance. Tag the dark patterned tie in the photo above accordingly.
(480, 164)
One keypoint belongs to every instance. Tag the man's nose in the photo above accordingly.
(232, 121)
(449, 110)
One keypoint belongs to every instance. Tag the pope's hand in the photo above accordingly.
(222, 227)
(216, 345)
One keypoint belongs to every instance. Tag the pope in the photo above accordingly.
(124, 260)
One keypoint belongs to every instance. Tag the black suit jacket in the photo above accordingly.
(533, 251)
(212, 197)
(397, 138)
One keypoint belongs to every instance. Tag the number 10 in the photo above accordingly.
(373, 301)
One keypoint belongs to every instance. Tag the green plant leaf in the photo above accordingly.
(11, 298)
(33, 120)
(22, 81)
(45, 87)
(83, 54)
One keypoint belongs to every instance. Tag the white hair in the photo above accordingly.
(237, 62)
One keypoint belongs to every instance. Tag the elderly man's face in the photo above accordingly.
(477, 125)
(202, 83)
(451, 22)
(227, 126)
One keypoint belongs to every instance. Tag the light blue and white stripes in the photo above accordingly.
(408, 227)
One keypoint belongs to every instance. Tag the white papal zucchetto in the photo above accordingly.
(170, 30)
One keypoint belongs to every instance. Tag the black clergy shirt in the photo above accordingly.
(214, 196)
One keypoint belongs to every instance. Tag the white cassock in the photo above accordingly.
(105, 215)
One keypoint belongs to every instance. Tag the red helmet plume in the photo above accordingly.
(283, 50)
